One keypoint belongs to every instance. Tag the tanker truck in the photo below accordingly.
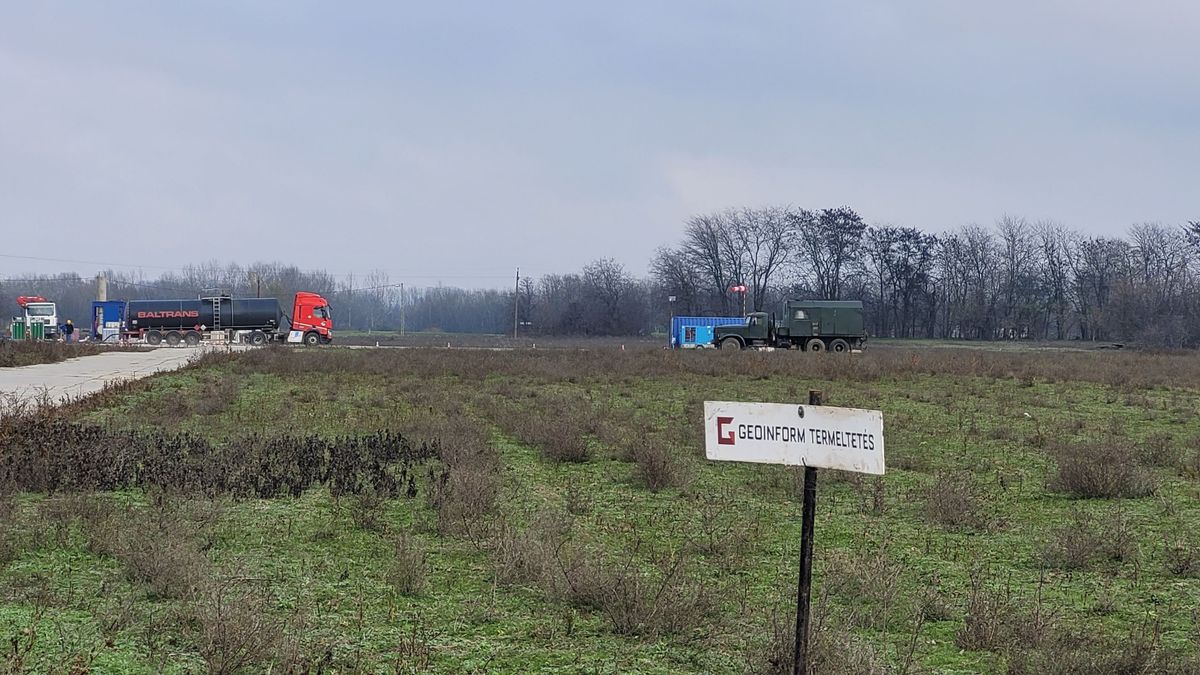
(256, 321)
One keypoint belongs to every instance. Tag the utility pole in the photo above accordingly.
(401, 309)
(516, 302)
(257, 285)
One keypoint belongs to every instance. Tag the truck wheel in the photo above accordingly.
(814, 345)
(174, 338)
(258, 338)
(153, 338)
(192, 338)
(731, 343)
(839, 346)
(312, 339)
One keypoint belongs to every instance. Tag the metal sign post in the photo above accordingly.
(804, 588)
(810, 436)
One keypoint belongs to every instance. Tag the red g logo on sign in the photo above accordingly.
(724, 438)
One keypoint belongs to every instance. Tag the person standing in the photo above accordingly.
(69, 331)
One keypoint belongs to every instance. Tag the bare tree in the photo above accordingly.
(1097, 266)
(1192, 232)
(705, 243)
(607, 285)
(911, 270)
(880, 253)
(828, 244)
(1161, 256)
(1054, 240)
(678, 274)
(763, 238)
(1018, 282)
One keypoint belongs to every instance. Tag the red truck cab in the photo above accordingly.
(311, 315)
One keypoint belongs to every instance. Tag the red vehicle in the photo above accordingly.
(311, 314)
(253, 320)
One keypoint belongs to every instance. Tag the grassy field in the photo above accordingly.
(492, 340)
(475, 511)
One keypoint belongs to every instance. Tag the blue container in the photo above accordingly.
(697, 331)
(107, 319)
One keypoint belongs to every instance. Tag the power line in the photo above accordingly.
(43, 280)
(113, 282)
(77, 262)
(80, 280)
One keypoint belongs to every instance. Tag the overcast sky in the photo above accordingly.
(455, 141)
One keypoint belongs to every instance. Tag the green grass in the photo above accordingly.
(326, 577)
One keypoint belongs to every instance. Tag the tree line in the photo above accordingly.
(1015, 279)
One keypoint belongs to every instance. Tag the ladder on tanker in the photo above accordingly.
(216, 302)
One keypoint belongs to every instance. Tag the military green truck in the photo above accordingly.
(810, 325)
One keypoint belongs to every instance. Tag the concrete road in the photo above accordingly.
(77, 377)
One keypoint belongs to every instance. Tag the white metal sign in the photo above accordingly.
(849, 439)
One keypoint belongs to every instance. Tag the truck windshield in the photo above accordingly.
(40, 310)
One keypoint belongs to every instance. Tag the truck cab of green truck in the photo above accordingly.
(810, 325)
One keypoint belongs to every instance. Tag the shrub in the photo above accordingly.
(1105, 469)
(1189, 464)
(996, 620)
(8, 548)
(870, 580)
(722, 528)
(366, 510)
(990, 615)
(1182, 555)
(89, 509)
(50, 454)
(1159, 449)
(158, 545)
(558, 425)
(832, 647)
(1074, 653)
(408, 570)
(17, 353)
(557, 441)
(8, 513)
(461, 496)
(234, 629)
(1088, 540)
(168, 563)
(464, 488)
(528, 555)
(664, 599)
(652, 595)
(956, 502)
(657, 466)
